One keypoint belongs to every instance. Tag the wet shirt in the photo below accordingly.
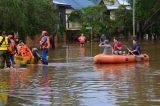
(116, 45)
(137, 47)
(107, 49)
(82, 39)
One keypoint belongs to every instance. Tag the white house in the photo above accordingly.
(114, 5)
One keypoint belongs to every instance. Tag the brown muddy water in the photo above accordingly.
(71, 79)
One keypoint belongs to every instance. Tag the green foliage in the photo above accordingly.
(99, 19)
(110, 1)
(28, 17)
(123, 19)
(147, 13)
(75, 16)
(94, 17)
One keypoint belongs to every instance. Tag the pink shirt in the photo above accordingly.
(82, 39)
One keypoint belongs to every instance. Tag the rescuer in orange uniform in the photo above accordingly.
(45, 45)
(13, 48)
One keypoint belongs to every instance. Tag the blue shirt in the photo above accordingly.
(9, 41)
(103, 38)
(137, 47)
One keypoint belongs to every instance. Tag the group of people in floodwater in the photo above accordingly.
(116, 46)
(10, 48)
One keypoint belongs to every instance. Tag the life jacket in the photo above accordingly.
(5, 44)
(23, 50)
(46, 44)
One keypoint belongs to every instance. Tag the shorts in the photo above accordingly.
(117, 52)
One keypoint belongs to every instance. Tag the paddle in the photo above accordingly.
(136, 57)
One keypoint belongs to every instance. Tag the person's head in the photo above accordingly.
(44, 33)
(10, 36)
(21, 42)
(34, 50)
(82, 34)
(115, 39)
(4, 33)
(135, 41)
(11, 33)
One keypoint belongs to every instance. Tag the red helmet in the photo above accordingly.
(10, 36)
(44, 33)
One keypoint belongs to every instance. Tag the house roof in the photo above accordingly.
(57, 2)
(76, 3)
(61, 4)
(123, 2)
(116, 4)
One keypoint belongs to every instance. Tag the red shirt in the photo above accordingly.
(117, 45)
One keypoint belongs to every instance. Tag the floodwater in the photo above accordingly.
(71, 79)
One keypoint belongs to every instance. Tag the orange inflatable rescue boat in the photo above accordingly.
(125, 58)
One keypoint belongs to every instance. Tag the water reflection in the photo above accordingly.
(76, 81)
(82, 51)
(44, 81)
(30, 85)
(4, 86)
(82, 54)
(125, 81)
(18, 78)
(42, 93)
(121, 67)
(118, 71)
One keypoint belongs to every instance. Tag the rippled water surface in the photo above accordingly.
(71, 79)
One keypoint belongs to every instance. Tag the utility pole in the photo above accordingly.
(90, 28)
(134, 18)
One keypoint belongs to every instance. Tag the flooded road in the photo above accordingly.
(71, 79)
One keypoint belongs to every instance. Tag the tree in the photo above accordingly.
(147, 15)
(123, 19)
(98, 17)
(28, 17)
(95, 17)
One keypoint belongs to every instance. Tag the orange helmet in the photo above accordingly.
(10, 36)
(44, 33)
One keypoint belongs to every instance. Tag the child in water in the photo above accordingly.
(36, 55)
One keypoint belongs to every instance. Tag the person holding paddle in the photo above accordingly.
(136, 48)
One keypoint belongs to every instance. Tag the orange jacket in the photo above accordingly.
(46, 44)
(24, 50)
(11, 48)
